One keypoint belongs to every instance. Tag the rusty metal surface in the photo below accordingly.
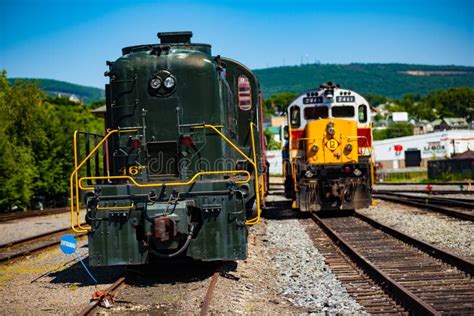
(212, 285)
(424, 284)
(89, 310)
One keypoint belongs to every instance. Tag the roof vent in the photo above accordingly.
(175, 37)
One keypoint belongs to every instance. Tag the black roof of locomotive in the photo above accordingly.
(167, 39)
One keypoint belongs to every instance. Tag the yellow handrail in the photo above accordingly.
(253, 162)
(75, 202)
(74, 174)
(126, 207)
(168, 184)
(256, 219)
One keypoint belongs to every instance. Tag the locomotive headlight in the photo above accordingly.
(348, 147)
(315, 148)
(155, 83)
(169, 82)
(331, 131)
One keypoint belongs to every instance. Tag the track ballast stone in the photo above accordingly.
(304, 277)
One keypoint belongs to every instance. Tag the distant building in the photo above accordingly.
(71, 97)
(399, 116)
(100, 111)
(74, 98)
(277, 121)
(451, 123)
(423, 127)
(414, 151)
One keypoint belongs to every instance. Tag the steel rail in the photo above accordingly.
(20, 215)
(427, 197)
(431, 183)
(23, 243)
(94, 304)
(409, 300)
(432, 192)
(436, 208)
(207, 299)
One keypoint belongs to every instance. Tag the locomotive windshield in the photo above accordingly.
(343, 111)
(317, 112)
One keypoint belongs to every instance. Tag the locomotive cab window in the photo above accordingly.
(295, 118)
(343, 111)
(362, 113)
(317, 112)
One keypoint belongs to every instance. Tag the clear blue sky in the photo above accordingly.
(70, 40)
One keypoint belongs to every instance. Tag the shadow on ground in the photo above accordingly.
(164, 272)
(281, 210)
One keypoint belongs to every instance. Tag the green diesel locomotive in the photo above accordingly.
(181, 164)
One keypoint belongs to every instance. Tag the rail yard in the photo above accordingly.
(172, 209)
(377, 260)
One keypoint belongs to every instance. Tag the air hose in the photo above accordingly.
(179, 251)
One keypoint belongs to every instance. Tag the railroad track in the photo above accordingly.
(458, 208)
(19, 215)
(434, 183)
(419, 277)
(432, 192)
(210, 291)
(112, 290)
(29, 245)
(94, 306)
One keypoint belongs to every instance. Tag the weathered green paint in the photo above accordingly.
(215, 206)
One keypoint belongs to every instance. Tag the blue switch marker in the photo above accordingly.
(68, 245)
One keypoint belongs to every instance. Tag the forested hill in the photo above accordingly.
(390, 80)
(85, 94)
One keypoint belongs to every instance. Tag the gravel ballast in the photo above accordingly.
(304, 277)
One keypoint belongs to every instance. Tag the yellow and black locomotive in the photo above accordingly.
(328, 157)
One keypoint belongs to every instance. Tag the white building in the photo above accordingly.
(416, 150)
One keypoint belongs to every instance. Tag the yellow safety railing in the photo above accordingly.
(253, 162)
(126, 207)
(75, 206)
(74, 195)
(167, 184)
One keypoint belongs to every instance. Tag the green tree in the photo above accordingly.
(454, 102)
(399, 129)
(36, 155)
(375, 100)
(272, 144)
(278, 102)
(18, 138)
